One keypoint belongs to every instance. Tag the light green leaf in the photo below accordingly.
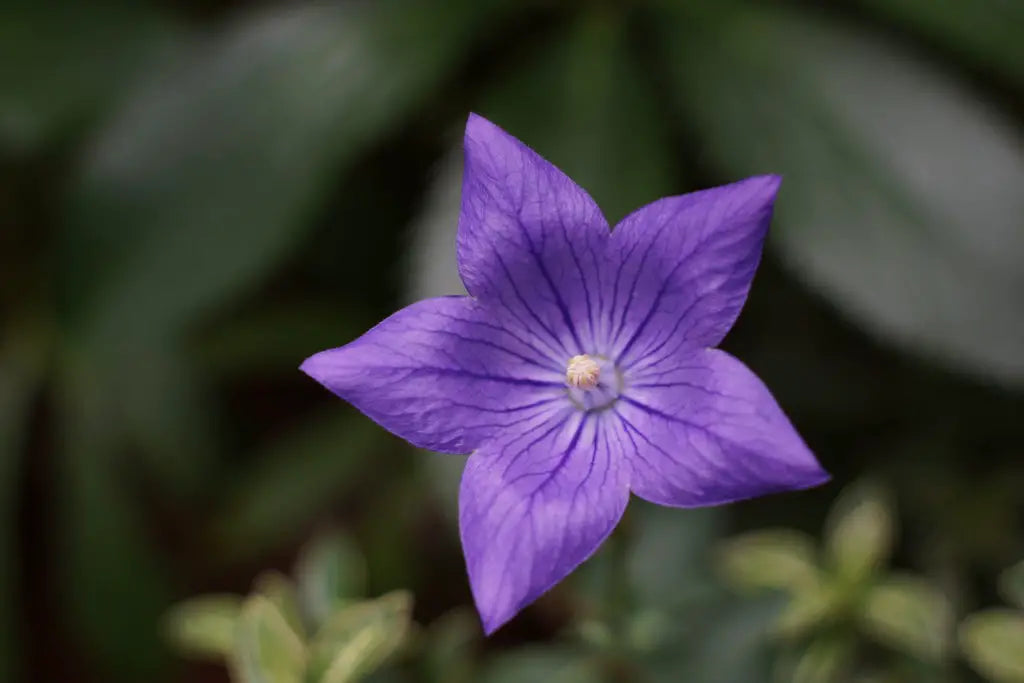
(359, 638)
(204, 627)
(985, 32)
(293, 479)
(279, 589)
(901, 200)
(266, 648)
(330, 571)
(548, 664)
(825, 660)
(61, 63)
(773, 558)
(809, 610)
(993, 641)
(1011, 585)
(859, 532)
(213, 167)
(909, 614)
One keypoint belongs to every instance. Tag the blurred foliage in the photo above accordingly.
(195, 196)
(842, 594)
(263, 637)
(993, 639)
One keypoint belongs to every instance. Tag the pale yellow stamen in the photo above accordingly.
(582, 372)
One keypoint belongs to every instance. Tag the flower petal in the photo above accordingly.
(705, 430)
(685, 267)
(443, 374)
(535, 505)
(529, 238)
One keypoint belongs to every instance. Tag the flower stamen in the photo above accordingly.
(583, 372)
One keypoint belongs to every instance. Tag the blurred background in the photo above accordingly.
(196, 195)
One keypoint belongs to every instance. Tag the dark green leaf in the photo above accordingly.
(20, 373)
(293, 479)
(204, 627)
(1011, 585)
(330, 571)
(670, 552)
(114, 585)
(730, 643)
(901, 200)
(549, 664)
(993, 642)
(62, 62)
(985, 32)
(447, 647)
(206, 179)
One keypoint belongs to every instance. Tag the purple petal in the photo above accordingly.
(442, 374)
(534, 506)
(685, 267)
(530, 239)
(705, 430)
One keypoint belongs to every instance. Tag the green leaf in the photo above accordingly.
(277, 337)
(266, 648)
(447, 647)
(909, 614)
(669, 553)
(701, 654)
(548, 664)
(993, 642)
(293, 479)
(165, 412)
(773, 558)
(213, 167)
(901, 201)
(62, 63)
(279, 589)
(330, 571)
(859, 532)
(204, 627)
(985, 32)
(1011, 585)
(114, 584)
(359, 638)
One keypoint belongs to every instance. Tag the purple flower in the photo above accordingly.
(579, 369)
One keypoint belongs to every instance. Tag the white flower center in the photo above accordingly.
(582, 372)
(593, 382)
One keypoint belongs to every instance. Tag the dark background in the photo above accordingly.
(195, 196)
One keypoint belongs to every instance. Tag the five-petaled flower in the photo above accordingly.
(579, 369)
